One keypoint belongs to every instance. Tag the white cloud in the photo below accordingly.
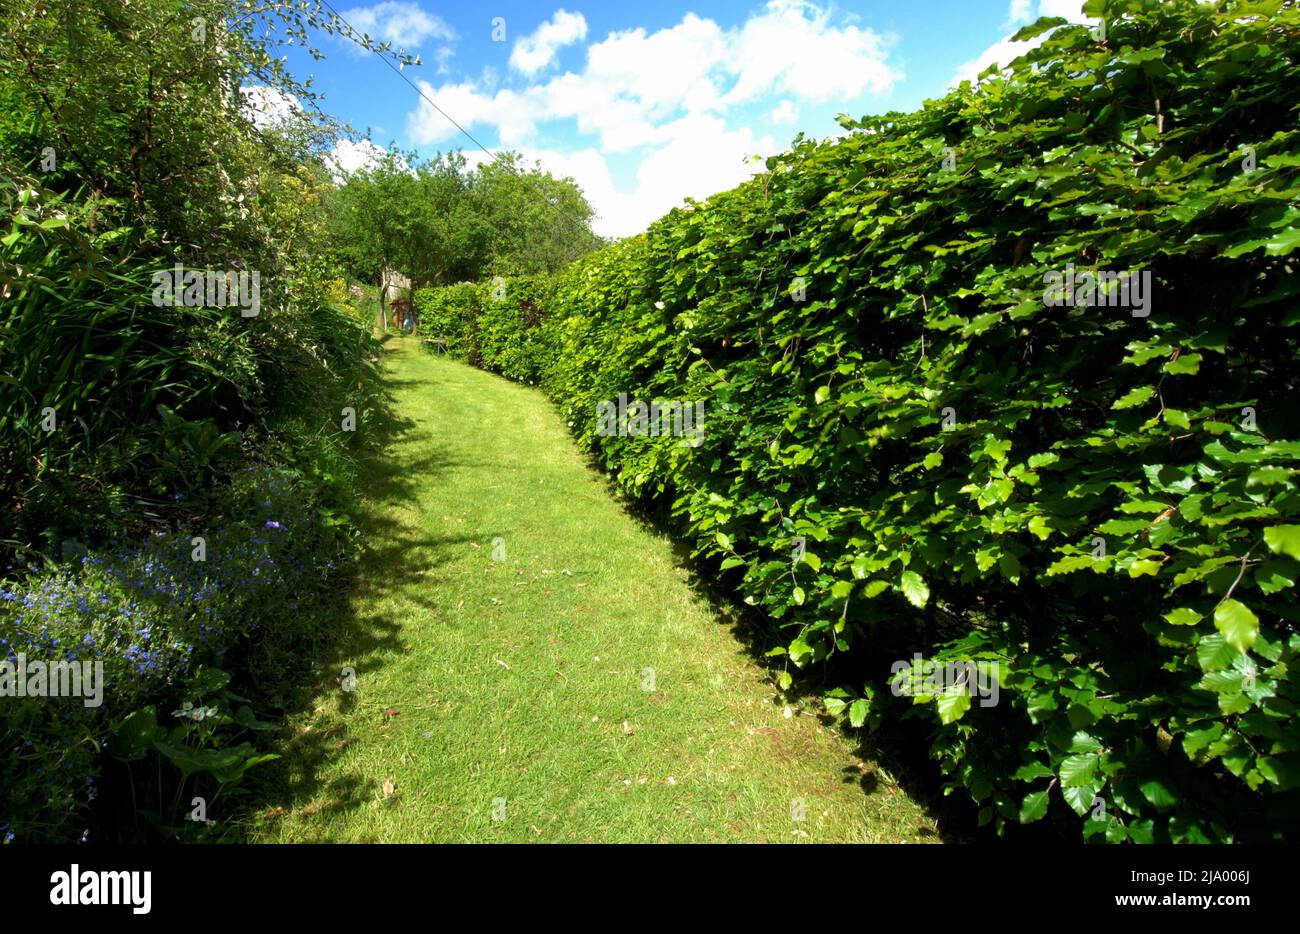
(663, 95)
(784, 112)
(266, 106)
(1026, 11)
(514, 114)
(634, 81)
(669, 68)
(1001, 53)
(349, 156)
(533, 53)
(793, 48)
(402, 23)
(699, 158)
(1070, 9)
(1004, 51)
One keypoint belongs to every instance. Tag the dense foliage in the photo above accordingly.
(449, 314)
(1101, 499)
(176, 477)
(496, 325)
(441, 222)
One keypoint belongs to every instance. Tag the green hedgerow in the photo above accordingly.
(918, 442)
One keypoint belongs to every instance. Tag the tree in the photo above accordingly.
(440, 222)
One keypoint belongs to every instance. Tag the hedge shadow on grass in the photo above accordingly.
(899, 748)
(351, 635)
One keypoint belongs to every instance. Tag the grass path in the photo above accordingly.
(578, 690)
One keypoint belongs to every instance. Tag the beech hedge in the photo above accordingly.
(495, 325)
(1009, 381)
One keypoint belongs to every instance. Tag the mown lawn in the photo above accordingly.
(578, 690)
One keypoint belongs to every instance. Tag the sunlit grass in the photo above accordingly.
(579, 688)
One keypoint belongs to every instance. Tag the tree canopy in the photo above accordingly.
(441, 220)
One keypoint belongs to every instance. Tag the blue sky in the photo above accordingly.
(646, 103)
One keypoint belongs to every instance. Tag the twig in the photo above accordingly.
(1240, 575)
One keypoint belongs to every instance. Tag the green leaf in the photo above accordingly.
(1283, 243)
(1134, 397)
(952, 705)
(1284, 539)
(1269, 476)
(1032, 770)
(858, 712)
(1282, 771)
(1078, 771)
(1073, 563)
(1158, 794)
(1275, 576)
(1034, 29)
(1040, 526)
(1080, 798)
(1186, 365)
(1149, 506)
(1214, 654)
(1034, 807)
(1183, 616)
(914, 588)
(1122, 526)
(1144, 352)
(135, 736)
(1194, 741)
(1142, 831)
(1240, 627)
(1085, 743)
(227, 765)
(1040, 705)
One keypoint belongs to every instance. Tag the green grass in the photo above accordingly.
(480, 679)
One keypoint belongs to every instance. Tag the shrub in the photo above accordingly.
(164, 625)
(498, 325)
(509, 328)
(1100, 500)
(155, 406)
(448, 314)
